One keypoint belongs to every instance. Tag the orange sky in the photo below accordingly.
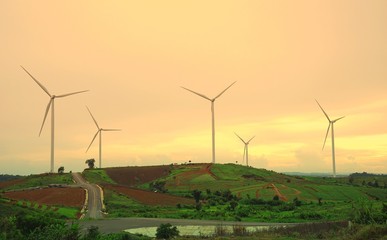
(133, 56)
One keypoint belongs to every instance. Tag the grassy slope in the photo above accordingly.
(41, 180)
(247, 181)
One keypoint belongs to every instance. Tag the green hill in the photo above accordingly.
(233, 192)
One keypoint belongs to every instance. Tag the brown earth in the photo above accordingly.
(11, 182)
(197, 170)
(132, 176)
(148, 197)
(70, 197)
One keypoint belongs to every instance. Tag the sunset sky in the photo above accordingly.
(133, 56)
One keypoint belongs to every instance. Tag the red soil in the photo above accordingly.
(276, 190)
(197, 170)
(71, 197)
(11, 182)
(132, 176)
(150, 198)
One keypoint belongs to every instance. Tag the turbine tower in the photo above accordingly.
(99, 131)
(331, 122)
(212, 100)
(50, 105)
(246, 149)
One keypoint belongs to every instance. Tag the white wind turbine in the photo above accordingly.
(99, 131)
(51, 105)
(212, 100)
(331, 122)
(246, 149)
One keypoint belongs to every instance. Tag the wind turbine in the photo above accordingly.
(212, 100)
(50, 105)
(331, 122)
(99, 131)
(246, 149)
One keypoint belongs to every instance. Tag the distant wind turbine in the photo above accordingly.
(212, 100)
(50, 105)
(331, 122)
(246, 149)
(99, 131)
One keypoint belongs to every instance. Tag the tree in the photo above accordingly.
(90, 162)
(197, 195)
(166, 231)
(60, 169)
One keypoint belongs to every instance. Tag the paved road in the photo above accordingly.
(94, 205)
(120, 224)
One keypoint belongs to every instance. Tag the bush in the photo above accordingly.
(166, 231)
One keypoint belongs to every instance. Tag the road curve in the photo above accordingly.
(94, 205)
(120, 224)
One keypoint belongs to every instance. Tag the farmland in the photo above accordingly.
(231, 192)
(225, 192)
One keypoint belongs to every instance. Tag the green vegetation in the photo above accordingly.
(166, 231)
(234, 192)
(41, 226)
(41, 180)
(97, 176)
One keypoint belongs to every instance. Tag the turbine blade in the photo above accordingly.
(326, 135)
(68, 94)
(338, 119)
(92, 140)
(250, 139)
(224, 90)
(93, 118)
(199, 94)
(110, 129)
(45, 115)
(240, 138)
(326, 115)
(41, 85)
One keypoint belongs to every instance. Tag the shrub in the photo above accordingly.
(166, 231)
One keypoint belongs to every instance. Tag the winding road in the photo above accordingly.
(94, 197)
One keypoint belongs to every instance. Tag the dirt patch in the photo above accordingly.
(132, 176)
(197, 170)
(277, 192)
(150, 198)
(70, 197)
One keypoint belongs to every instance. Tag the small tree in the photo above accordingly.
(90, 162)
(197, 195)
(166, 231)
(61, 170)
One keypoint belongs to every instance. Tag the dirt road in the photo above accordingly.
(94, 205)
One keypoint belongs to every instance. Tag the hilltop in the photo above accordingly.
(204, 191)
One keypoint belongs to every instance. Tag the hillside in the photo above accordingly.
(230, 192)
(207, 191)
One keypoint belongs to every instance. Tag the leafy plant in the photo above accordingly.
(166, 231)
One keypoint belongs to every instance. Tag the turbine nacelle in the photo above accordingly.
(50, 105)
(331, 122)
(99, 131)
(212, 100)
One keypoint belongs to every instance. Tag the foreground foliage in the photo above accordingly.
(38, 226)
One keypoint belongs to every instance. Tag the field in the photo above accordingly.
(70, 197)
(44, 192)
(209, 191)
(231, 192)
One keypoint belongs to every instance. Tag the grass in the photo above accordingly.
(97, 176)
(42, 180)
